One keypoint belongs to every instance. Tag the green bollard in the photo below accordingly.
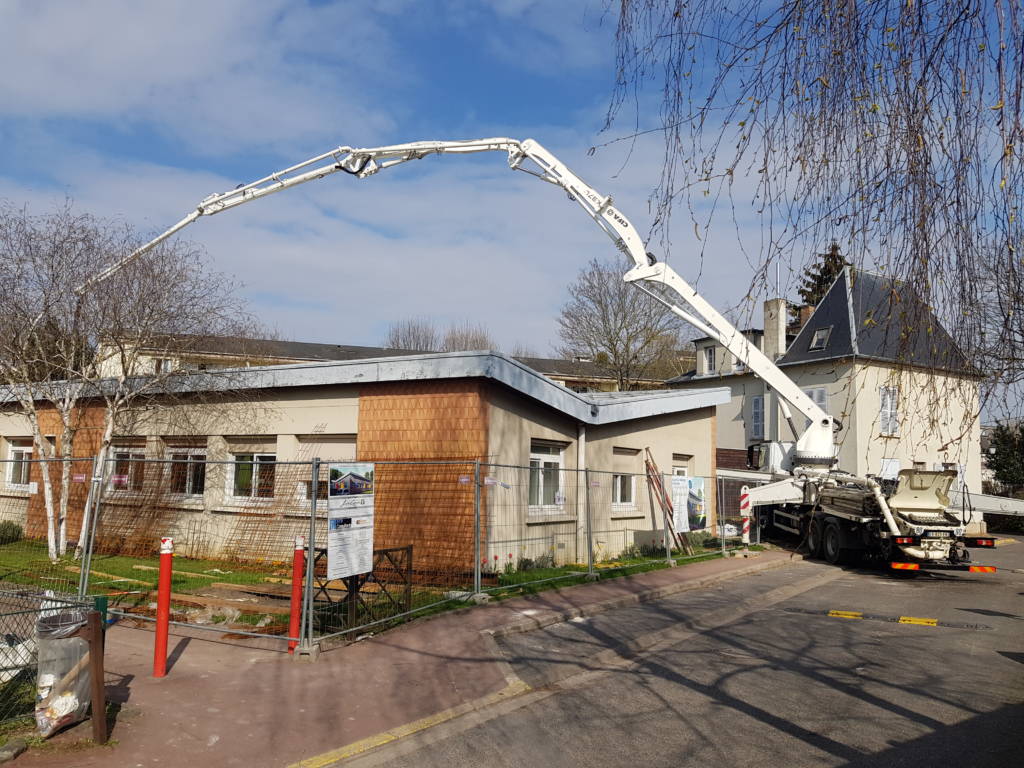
(100, 603)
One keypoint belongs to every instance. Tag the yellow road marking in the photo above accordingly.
(846, 614)
(1004, 542)
(370, 742)
(915, 620)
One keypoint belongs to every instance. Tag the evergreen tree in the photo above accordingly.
(819, 278)
(1006, 455)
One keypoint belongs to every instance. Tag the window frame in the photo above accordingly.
(257, 459)
(21, 446)
(809, 391)
(555, 455)
(190, 463)
(709, 358)
(812, 347)
(756, 425)
(135, 481)
(888, 418)
(618, 503)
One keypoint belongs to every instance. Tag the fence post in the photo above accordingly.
(99, 692)
(590, 533)
(306, 648)
(298, 569)
(92, 510)
(163, 607)
(477, 553)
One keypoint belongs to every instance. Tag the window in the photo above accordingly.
(888, 415)
(623, 487)
(709, 359)
(254, 475)
(757, 417)
(545, 491)
(820, 338)
(129, 470)
(188, 473)
(890, 469)
(681, 464)
(20, 456)
(920, 465)
(321, 490)
(820, 397)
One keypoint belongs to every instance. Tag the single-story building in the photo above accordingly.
(223, 462)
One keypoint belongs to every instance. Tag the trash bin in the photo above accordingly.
(63, 683)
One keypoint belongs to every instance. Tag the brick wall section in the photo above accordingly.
(86, 443)
(731, 458)
(425, 505)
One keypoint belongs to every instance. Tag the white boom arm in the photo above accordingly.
(814, 446)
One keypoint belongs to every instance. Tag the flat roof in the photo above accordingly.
(589, 408)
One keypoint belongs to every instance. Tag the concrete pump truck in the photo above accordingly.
(838, 513)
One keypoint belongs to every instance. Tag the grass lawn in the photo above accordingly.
(26, 562)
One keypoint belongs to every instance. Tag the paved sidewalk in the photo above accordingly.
(222, 705)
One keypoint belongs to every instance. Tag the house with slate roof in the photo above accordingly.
(874, 356)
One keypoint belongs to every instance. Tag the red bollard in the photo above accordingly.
(163, 607)
(298, 569)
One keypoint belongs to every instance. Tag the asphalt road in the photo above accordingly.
(755, 672)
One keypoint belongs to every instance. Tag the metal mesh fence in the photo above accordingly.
(41, 505)
(20, 612)
(443, 533)
(729, 528)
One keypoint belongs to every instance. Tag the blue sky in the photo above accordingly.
(140, 109)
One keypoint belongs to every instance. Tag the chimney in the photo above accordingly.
(774, 328)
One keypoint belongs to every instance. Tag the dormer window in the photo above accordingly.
(820, 338)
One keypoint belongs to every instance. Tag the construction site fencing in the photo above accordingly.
(444, 533)
(41, 505)
(729, 528)
(20, 612)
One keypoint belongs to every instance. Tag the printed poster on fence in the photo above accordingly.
(689, 504)
(349, 519)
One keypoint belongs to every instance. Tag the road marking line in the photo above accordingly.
(889, 619)
(1004, 542)
(377, 740)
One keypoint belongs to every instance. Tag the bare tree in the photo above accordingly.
(416, 333)
(467, 336)
(891, 127)
(64, 349)
(522, 349)
(610, 322)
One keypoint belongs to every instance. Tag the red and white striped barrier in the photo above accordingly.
(745, 514)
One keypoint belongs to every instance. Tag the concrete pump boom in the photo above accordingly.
(815, 449)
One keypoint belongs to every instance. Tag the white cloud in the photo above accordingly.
(222, 76)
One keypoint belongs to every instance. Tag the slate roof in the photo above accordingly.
(875, 317)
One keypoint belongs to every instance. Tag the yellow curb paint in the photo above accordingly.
(846, 614)
(922, 622)
(1004, 542)
(371, 742)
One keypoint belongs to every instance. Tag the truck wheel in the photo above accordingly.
(814, 538)
(831, 544)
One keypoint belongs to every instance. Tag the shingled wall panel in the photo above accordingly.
(425, 505)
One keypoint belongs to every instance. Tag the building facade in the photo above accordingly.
(224, 464)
